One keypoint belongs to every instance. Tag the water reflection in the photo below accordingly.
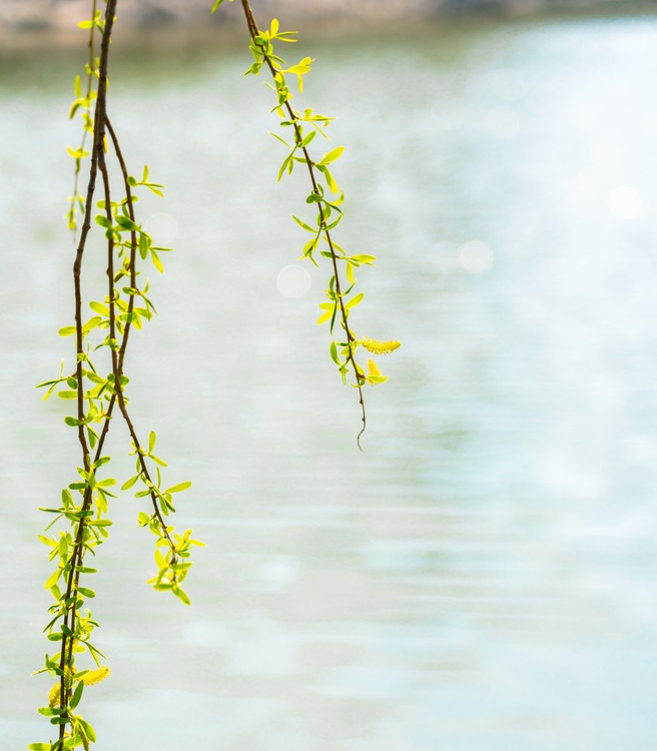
(482, 578)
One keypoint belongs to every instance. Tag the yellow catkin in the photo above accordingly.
(53, 697)
(55, 692)
(95, 676)
(373, 368)
(380, 348)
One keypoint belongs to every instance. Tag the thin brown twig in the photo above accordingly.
(133, 237)
(90, 76)
(98, 143)
(117, 359)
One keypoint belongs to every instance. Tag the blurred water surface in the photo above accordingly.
(483, 577)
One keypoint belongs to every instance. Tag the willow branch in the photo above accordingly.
(90, 76)
(133, 237)
(253, 31)
(99, 132)
(117, 359)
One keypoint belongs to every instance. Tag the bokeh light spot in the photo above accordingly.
(475, 257)
(293, 281)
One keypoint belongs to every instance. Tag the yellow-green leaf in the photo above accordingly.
(355, 300)
(53, 579)
(332, 155)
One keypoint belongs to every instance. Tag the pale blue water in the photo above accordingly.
(483, 577)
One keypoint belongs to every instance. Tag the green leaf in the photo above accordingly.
(91, 324)
(67, 394)
(94, 652)
(355, 301)
(303, 225)
(334, 353)
(88, 730)
(77, 694)
(129, 483)
(182, 596)
(333, 186)
(67, 331)
(72, 421)
(144, 245)
(363, 258)
(156, 262)
(287, 162)
(53, 579)
(86, 592)
(216, 5)
(332, 155)
(309, 138)
(178, 488)
(39, 747)
(103, 221)
(152, 438)
(325, 316)
(99, 308)
(126, 223)
(48, 712)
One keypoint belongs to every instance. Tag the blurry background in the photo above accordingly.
(483, 578)
(61, 15)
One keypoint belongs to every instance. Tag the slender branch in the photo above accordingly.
(90, 75)
(98, 144)
(117, 359)
(133, 238)
(253, 30)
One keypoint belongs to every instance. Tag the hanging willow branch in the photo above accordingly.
(326, 197)
(96, 397)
